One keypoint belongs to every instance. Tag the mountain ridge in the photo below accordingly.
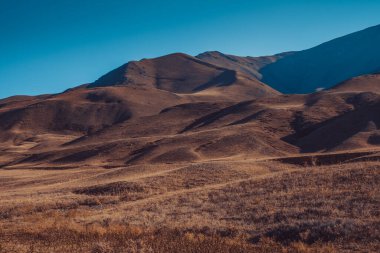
(178, 73)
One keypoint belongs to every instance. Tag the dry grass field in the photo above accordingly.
(220, 206)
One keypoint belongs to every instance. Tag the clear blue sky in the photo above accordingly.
(47, 46)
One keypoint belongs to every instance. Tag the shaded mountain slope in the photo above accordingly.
(356, 128)
(327, 64)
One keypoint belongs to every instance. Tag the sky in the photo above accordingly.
(47, 46)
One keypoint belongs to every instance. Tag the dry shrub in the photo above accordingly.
(115, 188)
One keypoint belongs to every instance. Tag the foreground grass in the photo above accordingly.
(201, 209)
(97, 239)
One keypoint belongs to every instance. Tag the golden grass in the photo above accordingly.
(106, 239)
(210, 207)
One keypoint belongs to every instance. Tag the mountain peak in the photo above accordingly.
(209, 53)
(181, 73)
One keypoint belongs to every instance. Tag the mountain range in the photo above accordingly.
(180, 108)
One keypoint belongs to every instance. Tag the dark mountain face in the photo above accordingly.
(327, 64)
(320, 67)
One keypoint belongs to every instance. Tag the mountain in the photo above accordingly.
(305, 71)
(184, 74)
(134, 90)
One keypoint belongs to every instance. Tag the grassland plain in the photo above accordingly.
(229, 206)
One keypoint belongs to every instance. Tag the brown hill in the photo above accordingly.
(352, 123)
(365, 83)
(201, 131)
